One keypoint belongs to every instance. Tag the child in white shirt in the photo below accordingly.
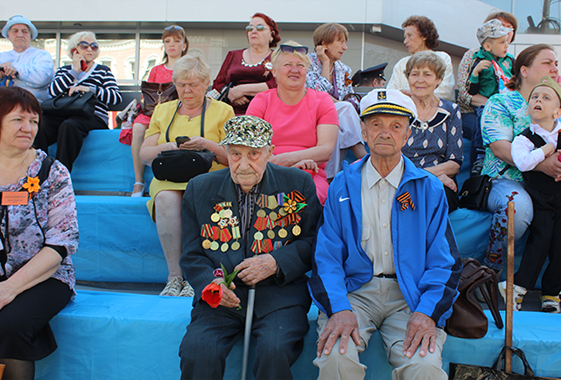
(528, 149)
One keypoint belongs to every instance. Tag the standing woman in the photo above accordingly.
(69, 133)
(420, 34)
(504, 118)
(176, 45)
(249, 70)
(328, 74)
(467, 102)
(38, 235)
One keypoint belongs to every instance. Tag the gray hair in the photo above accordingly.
(192, 64)
(76, 38)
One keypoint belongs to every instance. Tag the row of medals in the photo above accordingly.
(227, 214)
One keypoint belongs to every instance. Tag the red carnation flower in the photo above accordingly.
(212, 294)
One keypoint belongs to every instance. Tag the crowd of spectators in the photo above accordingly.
(285, 110)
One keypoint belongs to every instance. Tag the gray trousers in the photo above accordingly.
(379, 305)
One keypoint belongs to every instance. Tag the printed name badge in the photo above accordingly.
(15, 198)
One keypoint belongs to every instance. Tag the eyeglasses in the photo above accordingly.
(84, 45)
(292, 49)
(176, 27)
(259, 28)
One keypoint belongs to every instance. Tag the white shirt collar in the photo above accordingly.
(394, 178)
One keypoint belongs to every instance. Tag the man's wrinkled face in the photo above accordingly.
(247, 164)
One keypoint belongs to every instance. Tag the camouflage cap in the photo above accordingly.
(247, 130)
(491, 29)
(548, 81)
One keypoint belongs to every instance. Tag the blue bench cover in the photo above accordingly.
(118, 336)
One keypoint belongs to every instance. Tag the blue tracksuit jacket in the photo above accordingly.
(426, 257)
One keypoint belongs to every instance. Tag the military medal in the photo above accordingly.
(214, 246)
(282, 233)
(236, 235)
(271, 234)
(206, 244)
(296, 230)
(215, 217)
(261, 213)
(273, 215)
(258, 235)
(224, 247)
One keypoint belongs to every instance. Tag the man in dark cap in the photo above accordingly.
(371, 77)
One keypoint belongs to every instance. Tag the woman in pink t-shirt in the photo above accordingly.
(305, 122)
(176, 45)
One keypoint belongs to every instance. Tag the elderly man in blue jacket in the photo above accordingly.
(385, 257)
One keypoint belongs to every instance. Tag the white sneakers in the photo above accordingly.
(550, 304)
(518, 295)
(178, 287)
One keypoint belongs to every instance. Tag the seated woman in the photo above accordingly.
(182, 117)
(38, 234)
(176, 45)
(304, 120)
(249, 70)
(420, 34)
(69, 133)
(435, 143)
(504, 118)
(328, 74)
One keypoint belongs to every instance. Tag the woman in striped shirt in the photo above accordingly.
(83, 75)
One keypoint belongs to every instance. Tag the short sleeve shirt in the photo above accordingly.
(504, 118)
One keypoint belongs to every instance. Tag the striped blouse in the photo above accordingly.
(101, 81)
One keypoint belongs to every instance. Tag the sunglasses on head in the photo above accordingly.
(176, 27)
(292, 49)
(259, 28)
(84, 45)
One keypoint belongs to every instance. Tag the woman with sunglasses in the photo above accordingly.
(83, 75)
(328, 74)
(305, 122)
(249, 70)
(176, 45)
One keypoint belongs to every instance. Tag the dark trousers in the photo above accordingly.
(544, 241)
(471, 126)
(25, 333)
(213, 332)
(69, 135)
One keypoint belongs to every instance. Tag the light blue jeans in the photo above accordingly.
(503, 191)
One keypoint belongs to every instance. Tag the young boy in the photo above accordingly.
(491, 68)
(528, 149)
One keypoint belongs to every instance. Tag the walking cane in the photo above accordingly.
(247, 331)
(509, 285)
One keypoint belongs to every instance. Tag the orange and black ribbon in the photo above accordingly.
(405, 200)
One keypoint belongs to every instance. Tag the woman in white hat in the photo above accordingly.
(27, 66)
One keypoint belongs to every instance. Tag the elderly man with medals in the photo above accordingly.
(259, 219)
(385, 257)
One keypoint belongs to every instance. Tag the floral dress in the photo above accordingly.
(49, 218)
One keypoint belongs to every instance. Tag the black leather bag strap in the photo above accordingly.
(498, 366)
(202, 119)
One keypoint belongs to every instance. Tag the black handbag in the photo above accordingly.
(468, 319)
(473, 372)
(180, 165)
(79, 104)
(475, 191)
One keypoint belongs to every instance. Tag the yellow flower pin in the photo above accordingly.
(32, 185)
(290, 206)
